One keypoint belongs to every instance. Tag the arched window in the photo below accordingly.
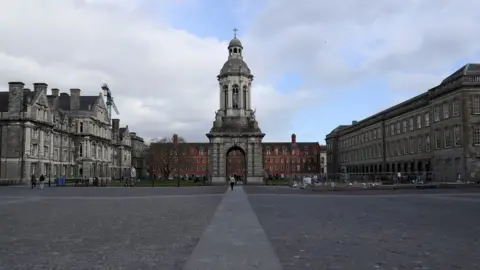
(225, 96)
(235, 96)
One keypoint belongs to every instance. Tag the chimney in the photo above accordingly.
(133, 134)
(40, 87)
(294, 138)
(15, 97)
(115, 125)
(55, 92)
(74, 99)
(354, 122)
(175, 138)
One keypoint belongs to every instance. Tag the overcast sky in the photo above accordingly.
(317, 64)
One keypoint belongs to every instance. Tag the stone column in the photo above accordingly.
(230, 97)
(41, 145)
(28, 139)
(248, 99)
(222, 98)
(240, 97)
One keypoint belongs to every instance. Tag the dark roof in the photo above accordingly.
(468, 69)
(337, 129)
(86, 102)
(4, 101)
(235, 42)
(27, 94)
(235, 66)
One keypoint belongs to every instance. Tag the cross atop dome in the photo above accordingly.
(235, 32)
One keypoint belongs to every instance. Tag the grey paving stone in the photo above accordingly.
(50, 232)
(109, 191)
(409, 231)
(234, 240)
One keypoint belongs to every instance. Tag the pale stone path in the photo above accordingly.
(234, 239)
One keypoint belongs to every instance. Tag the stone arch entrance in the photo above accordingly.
(236, 163)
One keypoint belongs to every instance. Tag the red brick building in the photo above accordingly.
(169, 159)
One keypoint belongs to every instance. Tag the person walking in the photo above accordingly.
(232, 182)
(33, 180)
(42, 181)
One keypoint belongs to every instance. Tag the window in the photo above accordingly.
(436, 113)
(476, 104)
(412, 145)
(276, 151)
(379, 131)
(476, 134)
(456, 108)
(410, 123)
(392, 129)
(437, 139)
(80, 150)
(35, 134)
(427, 143)
(235, 95)
(419, 121)
(419, 144)
(34, 150)
(81, 127)
(427, 119)
(404, 126)
(447, 137)
(446, 111)
(268, 151)
(456, 136)
(45, 151)
(398, 127)
(405, 146)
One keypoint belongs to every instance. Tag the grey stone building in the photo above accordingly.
(59, 134)
(138, 148)
(437, 132)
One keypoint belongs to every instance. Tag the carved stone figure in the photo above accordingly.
(235, 101)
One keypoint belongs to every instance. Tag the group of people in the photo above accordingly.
(41, 180)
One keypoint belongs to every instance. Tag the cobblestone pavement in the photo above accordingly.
(157, 228)
(102, 228)
(434, 230)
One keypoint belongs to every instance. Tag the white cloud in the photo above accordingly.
(395, 38)
(164, 79)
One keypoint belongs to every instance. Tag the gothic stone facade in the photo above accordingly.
(58, 135)
(436, 132)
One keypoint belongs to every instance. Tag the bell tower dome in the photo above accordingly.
(235, 81)
(235, 126)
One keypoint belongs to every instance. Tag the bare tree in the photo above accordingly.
(167, 155)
